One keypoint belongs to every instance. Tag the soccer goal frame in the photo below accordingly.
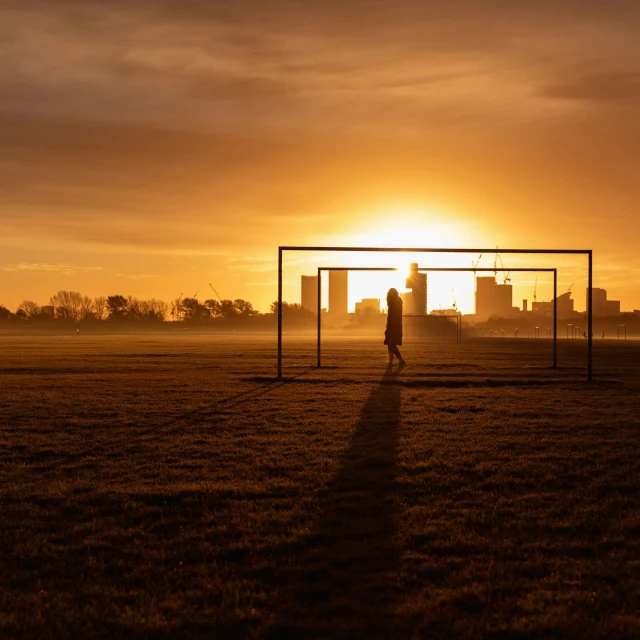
(458, 319)
(585, 252)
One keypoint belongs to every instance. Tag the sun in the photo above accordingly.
(405, 227)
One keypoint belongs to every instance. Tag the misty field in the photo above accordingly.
(171, 486)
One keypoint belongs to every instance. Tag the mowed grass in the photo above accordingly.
(172, 487)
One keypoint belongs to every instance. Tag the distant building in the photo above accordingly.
(564, 309)
(565, 305)
(493, 299)
(309, 293)
(542, 308)
(445, 312)
(613, 307)
(416, 303)
(599, 298)
(602, 306)
(368, 303)
(338, 293)
(525, 305)
(407, 300)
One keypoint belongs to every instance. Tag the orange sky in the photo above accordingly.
(150, 148)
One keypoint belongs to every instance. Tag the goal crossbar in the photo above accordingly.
(321, 249)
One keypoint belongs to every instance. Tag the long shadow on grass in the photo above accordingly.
(341, 583)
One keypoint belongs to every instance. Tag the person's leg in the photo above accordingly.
(397, 353)
(390, 349)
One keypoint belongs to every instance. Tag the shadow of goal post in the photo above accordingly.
(586, 252)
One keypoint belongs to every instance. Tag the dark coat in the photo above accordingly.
(393, 333)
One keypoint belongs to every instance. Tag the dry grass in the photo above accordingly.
(155, 487)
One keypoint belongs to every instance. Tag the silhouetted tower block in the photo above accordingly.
(309, 293)
(525, 305)
(565, 305)
(417, 282)
(338, 293)
(493, 299)
(599, 301)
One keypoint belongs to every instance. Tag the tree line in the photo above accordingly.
(74, 307)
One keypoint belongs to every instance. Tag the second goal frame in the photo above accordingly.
(553, 270)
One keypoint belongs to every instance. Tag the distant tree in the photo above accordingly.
(158, 309)
(30, 308)
(116, 307)
(175, 310)
(290, 308)
(100, 307)
(193, 311)
(214, 308)
(243, 308)
(67, 305)
(227, 310)
(5, 314)
(151, 310)
(134, 308)
(86, 311)
(294, 312)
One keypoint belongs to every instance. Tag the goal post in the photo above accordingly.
(320, 249)
(552, 270)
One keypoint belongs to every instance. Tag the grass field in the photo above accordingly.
(171, 487)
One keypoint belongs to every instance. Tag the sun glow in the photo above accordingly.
(402, 228)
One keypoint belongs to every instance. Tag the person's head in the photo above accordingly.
(392, 296)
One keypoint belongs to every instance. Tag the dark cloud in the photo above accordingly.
(304, 65)
(612, 87)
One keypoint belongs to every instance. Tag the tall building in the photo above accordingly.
(309, 293)
(493, 299)
(416, 303)
(599, 298)
(565, 305)
(338, 293)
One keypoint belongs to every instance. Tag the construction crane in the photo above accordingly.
(214, 291)
(569, 289)
(175, 307)
(535, 290)
(495, 265)
(506, 275)
(474, 265)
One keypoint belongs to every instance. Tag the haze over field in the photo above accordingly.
(150, 148)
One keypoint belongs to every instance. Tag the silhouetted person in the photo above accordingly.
(393, 332)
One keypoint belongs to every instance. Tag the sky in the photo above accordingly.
(152, 148)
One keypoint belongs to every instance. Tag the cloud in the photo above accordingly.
(288, 66)
(66, 269)
(619, 87)
(137, 276)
